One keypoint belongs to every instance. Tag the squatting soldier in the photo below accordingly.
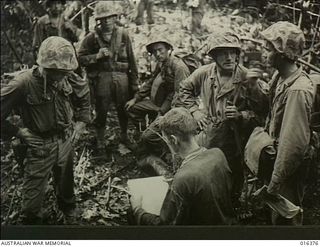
(169, 72)
(291, 93)
(111, 67)
(233, 101)
(200, 193)
(44, 98)
(161, 88)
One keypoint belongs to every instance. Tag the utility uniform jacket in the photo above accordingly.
(200, 193)
(164, 83)
(289, 122)
(44, 29)
(121, 59)
(315, 77)
(45, 110)
(252, 103)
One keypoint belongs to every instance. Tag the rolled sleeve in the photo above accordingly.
(189, 91)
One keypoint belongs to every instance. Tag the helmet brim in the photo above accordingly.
(211, 51)
(105, 16)
(149, 46)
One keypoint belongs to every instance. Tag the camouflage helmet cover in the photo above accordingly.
(158, 39)
(57, 53)
(286, 38)
(105, 9)
(227, 39)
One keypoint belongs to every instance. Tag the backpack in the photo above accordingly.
(191, 60)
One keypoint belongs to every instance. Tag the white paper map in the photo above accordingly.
(152, 190)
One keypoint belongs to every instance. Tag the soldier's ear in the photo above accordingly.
(174, 139)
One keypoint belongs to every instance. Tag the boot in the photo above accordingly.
(70, 216)
(124, 139)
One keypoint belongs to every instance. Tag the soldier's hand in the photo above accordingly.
(68, 25)
(77, 131)
(136, 201)
(29, 138)
(232, 112)
(130, 103)
(252, 76)
(103, 52)
(201, 119)
(273, 188)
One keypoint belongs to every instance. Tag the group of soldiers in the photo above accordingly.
(205, 118)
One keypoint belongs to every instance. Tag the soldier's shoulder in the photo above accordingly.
(90, 36)
(178, 62)
(303, 83)
(315, 78)
(43, 20)
(17, 80)
(205, 69)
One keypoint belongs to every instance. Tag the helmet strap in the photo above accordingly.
(45, 81)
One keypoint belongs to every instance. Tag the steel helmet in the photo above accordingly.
(227, 39)
(158, 39)
(105, 9)
(286, 38)
(57, 53)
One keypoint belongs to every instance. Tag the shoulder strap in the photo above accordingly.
(118, 40)
(99, 40)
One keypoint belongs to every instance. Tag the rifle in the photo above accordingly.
(12, 48)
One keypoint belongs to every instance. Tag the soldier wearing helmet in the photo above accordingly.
(233, 101)
(160, 90)
(43, 96)
(288, 123)
(169, 72)
(54, 23)
(110, 64)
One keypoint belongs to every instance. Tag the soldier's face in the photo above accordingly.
(270, 54)
(160, 51)
(54, 75)
(108, 23)
(225, 58)
(55, 9)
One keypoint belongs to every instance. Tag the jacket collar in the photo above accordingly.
(286, 83)
(238, 78)
(192, 155)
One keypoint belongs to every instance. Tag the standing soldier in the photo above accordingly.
(54, 24)
(288, 123)
(233, 99)
(43, 96)
(197, 13)
(111, 67)
(142, 6)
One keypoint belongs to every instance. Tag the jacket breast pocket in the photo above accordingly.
(40, 113)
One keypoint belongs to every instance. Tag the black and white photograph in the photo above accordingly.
(136, 114)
